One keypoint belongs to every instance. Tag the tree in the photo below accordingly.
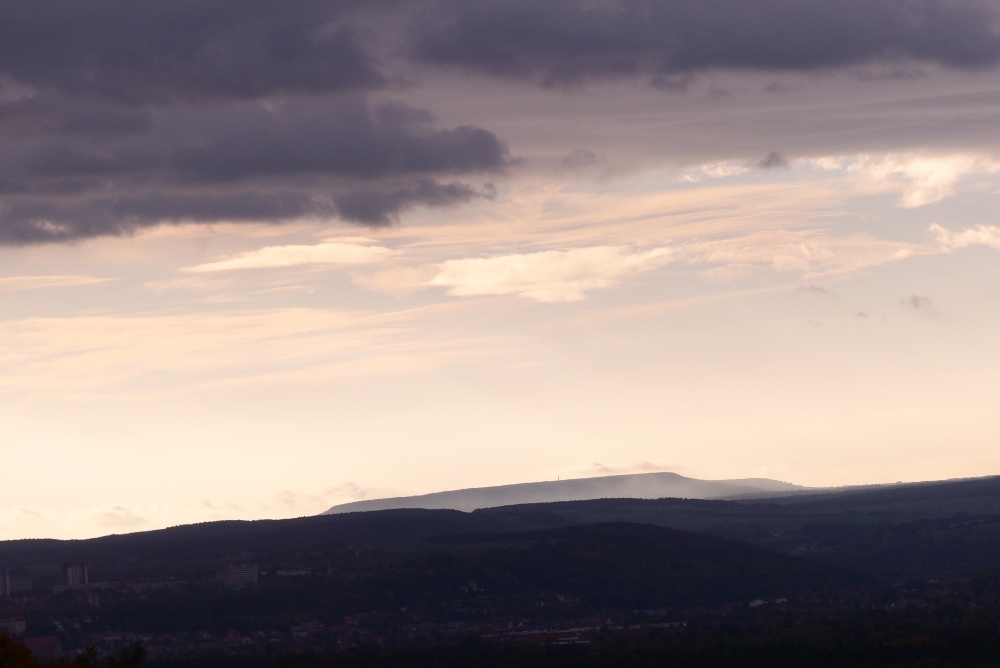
(15, 655)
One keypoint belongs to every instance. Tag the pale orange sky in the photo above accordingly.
(785, 274)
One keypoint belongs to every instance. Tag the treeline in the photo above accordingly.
(930, 639)
(573, 570)
(15, 655)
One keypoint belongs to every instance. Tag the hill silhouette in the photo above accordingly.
(636, 486)
(921, 529)
(918, 529)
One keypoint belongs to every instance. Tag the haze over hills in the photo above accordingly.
(923, 554)
(634, 486)
(922, 528)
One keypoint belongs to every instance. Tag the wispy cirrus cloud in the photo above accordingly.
(730, 168)
(398, 281)
(924, 179)
(20, 283)
(980, 235)
(80, 355)
(328, 252)
(810, 253)
(94, 356)
(566, 275)
(921, 178)
(547, 276)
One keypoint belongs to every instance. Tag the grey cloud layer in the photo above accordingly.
(163, 50)
(348, 138)
(116, 114)
(565, 42)
(347, 158)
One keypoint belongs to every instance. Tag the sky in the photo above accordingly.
(258, 258)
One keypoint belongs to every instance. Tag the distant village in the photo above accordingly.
(76, 602)
(59, 620)
(19, 597)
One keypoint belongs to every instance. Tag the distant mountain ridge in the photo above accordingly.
(634, 486)
(927, 530)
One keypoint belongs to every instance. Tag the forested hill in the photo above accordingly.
(923, 529)
(946, 528)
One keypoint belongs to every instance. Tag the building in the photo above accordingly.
(87, 597)
(43, 647)
(75, 573)
(238, 576)
(14, 626)
(12, 582)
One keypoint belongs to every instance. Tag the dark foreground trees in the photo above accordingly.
(15, 655)
(926, 639)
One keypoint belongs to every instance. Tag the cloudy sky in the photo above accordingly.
(260, 258)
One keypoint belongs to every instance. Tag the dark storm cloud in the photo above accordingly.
(381, 208)
(163, 50)
(116, 115)
(51, 220)
(56, 219)
(565, 42)
(349, 139)
(345, 138)
(120, 114)
(46, 112)
(348, 159)
(242, 162)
